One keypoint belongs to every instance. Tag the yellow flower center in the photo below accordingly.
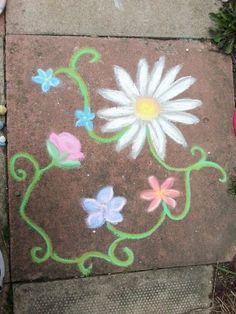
(146, 108)
(160, 194)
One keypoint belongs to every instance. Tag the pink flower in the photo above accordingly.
(160, 193)
(68, 145)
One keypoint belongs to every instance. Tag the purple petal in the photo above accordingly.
(117, 203)
(95, 220)
(105, 195)
(113, 217)
(90, 205)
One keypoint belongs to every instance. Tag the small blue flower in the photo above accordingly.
(46, 79)
(104, 208)
(85, 118)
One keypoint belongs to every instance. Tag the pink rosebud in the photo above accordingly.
(234, 121)
(68, 145)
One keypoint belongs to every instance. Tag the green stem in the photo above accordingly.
(106, 140)
(201, 163)
(20, 175)
(80, 261)
(136, 236)
(96, 56)
(127, 251)
(76, 77)
(186, 209)
(175, 169)
(226, 270)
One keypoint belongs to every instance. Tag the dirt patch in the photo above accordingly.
(225, 289)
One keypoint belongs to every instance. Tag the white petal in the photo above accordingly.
(115, 112)
(118, 124)
(127, 138)
(167, 80)
(158, 138)
(142, 76)
(115, 96)
(125, 82)
(172, 131)
(138, 142)
(181, 105)
(155, 76)
(182, 117)
(177, 88)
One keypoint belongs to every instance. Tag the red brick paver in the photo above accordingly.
(208, 232)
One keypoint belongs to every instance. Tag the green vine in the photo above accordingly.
(40, 254)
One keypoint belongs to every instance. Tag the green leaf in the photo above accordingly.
(225, 16)
(230, 46)
(52, 150)
(217, 38)
(69, 164)
(221, 44)
(214, 17)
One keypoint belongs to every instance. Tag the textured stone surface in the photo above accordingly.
(55, 203)
(6, 300)
(4, 230)
(2, 25)
(177, 291)
(162, 18)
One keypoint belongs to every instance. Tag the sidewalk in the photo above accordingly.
(137, 261)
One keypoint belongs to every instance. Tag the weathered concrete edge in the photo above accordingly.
(6, 300)
(54, 26)
(20, 290)
(4, 226)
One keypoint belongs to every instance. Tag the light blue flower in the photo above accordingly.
(105, 207)
(46, 79)
(85, 118)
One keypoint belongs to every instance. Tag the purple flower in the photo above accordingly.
(104, 208)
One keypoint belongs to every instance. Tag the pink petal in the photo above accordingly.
(170, 201)
(76, 156)
(68, 144)
(172, 193)
(154, 183)
(168, 183)
(154, 204)
(147, 195)
(53, 137)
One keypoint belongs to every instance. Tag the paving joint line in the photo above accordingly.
(45, 280)
(201, 39)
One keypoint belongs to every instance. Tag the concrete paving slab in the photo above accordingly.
(184, 290)
(162, 18)
(6, 299)
(2, 25)
(4, 230)
(206, 235)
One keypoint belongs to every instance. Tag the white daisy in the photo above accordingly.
(148, 105)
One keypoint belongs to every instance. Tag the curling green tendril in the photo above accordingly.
(40, 254)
